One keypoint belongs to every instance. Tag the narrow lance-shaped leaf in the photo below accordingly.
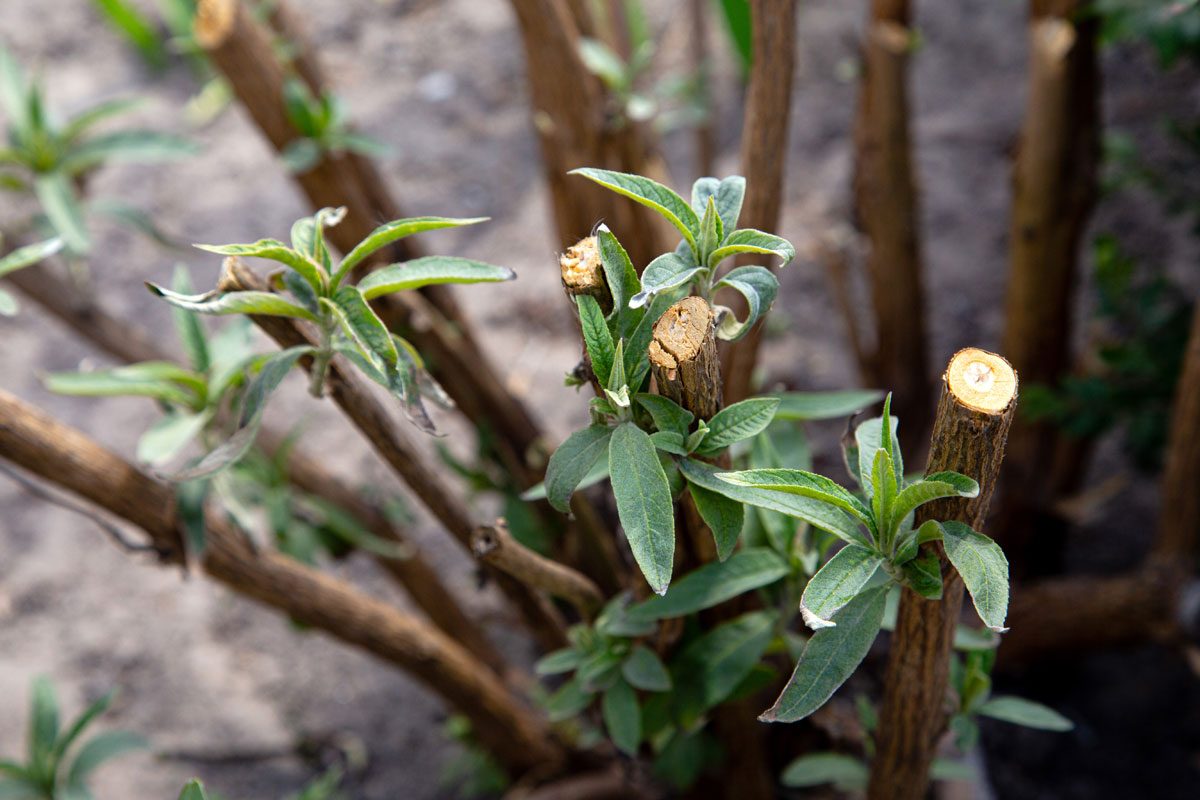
(572, 461)
(844, 772)
(273, 250)
(651, 194)
(836, 584)
(815, 512)
(643, 503)
(57, 197)
(596, 337)
(723, 516)
(166, 437)
(749, 240)
(759, 286)
(868, 437)
(739, 421)
(100, 748)
(714, 583)
(983, 568)
(825, 405)
(128, 145)
(711, 231)
(666, 413)
(1020, 711)
(622, 717)
(800, 482)
(729, 201)
(221, 303)
(431, 271)
(619, 274)
(160, 380)
(717, 662)
(29, 254)
(394, 231)
(933, 487)
(830, 657)
(644, 670)
(702, 190)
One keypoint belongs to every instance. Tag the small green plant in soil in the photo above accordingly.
(60, 759)
(52, 159)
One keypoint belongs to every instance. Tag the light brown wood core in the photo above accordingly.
(981, 380)
(681, 332)
(583, 272)
(214, 19)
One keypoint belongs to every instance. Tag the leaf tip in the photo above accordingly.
(813, 621)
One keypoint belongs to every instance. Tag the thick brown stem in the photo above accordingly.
(764, 154)
(68, 458)
(241, 50)
(1179, 525)
(348, 390)
(494, 545)
(979, 393)
(885, 199)
(126, 342)
(683, 357)
(706, 140)
(571, 115)
(1054, 189)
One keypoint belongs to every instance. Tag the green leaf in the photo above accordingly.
(738, 24)
(130, 145)
(558, 662)
(56, 194)
(602, 62)
(802, 483)
(729, 201)
(274, 250)
(308, 235)
(137, 29)
(431, 271)
(1020, 711)
(759, 286)
(643, 503)
(568, 701)
(220, 303)
(82, 721)
(711, 232)
(748, 240)
(824, 405)
(836, 584)
(723, 516)
(869, 437)
(187, 324)
(943, 769)
(102, 747)
(81, 122)
(883, 495)
(160, 380)
(619, 274)
(166, 437)
(713, 584)
(622, 717)
(394, 231)
(365, 326)
(924, 575)
(190, 497)
(301, 154)
(596, 474)
(815, 512)
(13, 91)
(194, 790)
(830, 657)
(272, 372)
(572, 461)
(650, 194)
(739, 421)
(29, 254)
(668, 415)
(8, 304)
(933, 487)
(596, 337)
(717, 662)
(43, 718)
(20, 789)
(702, 190)
(983, 568)
(847, 773)
(670, 442)
(665, 272)
(643, 670)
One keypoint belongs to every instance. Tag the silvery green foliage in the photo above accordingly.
(844, 601)
(58, 761)
(322, 127)
(19, 259)
(314, 288)
(47, 158)
(710, 234)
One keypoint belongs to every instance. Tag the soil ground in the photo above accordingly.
(224, 687)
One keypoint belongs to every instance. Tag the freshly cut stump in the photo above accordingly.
(583, 273)
(683, 357)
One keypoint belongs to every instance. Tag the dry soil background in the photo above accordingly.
(208, 676)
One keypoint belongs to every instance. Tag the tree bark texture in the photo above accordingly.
(763, 156)
(494, 545)
(978, 400)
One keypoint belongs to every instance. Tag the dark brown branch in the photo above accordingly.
(979, 393)
(764, 154)
(886, 207)
(68, 458)
(494, 545)
(1179, 526)
(350, 392)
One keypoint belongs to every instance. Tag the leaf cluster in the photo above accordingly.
(49, 159)
(323, 128)
(710, 234)
(58, 760)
